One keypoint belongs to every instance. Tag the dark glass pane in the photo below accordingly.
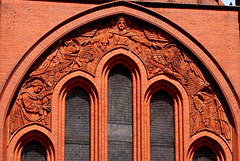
(120, 114)
(204, 154)
(34, 151)
(77, 125)
(162, 127)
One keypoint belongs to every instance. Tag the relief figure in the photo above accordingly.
(33, 104)
(183, 69)
(211, 113)
(61, 61)
(121, 36)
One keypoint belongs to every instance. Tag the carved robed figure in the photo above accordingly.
(32, 105)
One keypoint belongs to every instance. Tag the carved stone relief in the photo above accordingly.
(33, 104)
(83, 49)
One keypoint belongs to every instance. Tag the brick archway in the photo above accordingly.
(50, 38)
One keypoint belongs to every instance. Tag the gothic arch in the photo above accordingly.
(116, 8)
(181, 110)
(31, 133)
(132, 63)
(86, 82)
(212, 142)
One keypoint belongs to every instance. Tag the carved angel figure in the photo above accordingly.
(60, 61)
(121, 35)
(32, 105)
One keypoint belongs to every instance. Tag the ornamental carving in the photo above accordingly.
(33, 104)
(83, 49)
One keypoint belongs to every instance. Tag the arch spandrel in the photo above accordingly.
(82, 50)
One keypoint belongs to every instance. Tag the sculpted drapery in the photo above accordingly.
(33, 104)
(84, 48)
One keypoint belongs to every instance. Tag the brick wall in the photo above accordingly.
(214, 28)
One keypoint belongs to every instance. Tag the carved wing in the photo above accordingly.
(85, 33)
(224, 123)
(154, 37)
(193, 67)
(94, 34)
(47, 62)
(104, 29)
(137, 30)
(159, 57)
(90, 33)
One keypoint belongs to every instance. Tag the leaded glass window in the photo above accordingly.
(162, 136)
(34, 151)
(120, 124)
(77, 125)
(204, 154)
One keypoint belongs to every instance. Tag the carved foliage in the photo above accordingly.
(83, 49)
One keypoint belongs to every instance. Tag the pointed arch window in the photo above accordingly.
(77, 125)
(120, 124)
(162, 135)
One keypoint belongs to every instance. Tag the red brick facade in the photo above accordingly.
(206, 34)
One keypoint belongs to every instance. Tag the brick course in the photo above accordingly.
(26, 32)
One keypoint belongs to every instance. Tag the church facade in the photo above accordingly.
(120, 80)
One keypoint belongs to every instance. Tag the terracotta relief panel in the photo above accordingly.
(33, 104)
(83, 49)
